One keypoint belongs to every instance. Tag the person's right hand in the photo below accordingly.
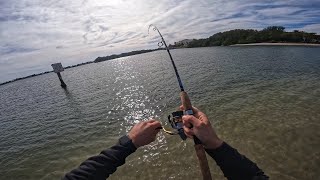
(198, 125)
(144, 132)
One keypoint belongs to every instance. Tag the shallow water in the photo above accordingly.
(264, 101)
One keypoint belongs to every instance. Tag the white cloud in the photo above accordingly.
(36, 33)
(311, 28)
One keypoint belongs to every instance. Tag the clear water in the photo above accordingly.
(264, 101)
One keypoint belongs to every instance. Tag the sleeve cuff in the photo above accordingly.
(127, 142)
(221, 149)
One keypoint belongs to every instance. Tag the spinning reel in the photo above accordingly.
(175, 121)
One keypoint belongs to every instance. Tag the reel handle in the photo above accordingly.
(201, 154)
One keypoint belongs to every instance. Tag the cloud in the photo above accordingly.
(36, 33)
(311, 28)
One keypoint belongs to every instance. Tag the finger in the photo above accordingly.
(151, 121)
(187, 124)
(140, 123)
(188, 132)
(181, 108)
(155, 124)
(188, 119)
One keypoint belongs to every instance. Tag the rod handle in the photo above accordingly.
(204, 166)
(185, 101)
(201, 154)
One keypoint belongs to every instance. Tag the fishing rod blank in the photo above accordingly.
(163, 42)
(176, 121)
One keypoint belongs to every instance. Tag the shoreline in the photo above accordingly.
(277, 44)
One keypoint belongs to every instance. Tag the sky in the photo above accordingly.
(36, 33)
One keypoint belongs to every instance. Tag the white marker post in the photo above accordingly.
(57, 68)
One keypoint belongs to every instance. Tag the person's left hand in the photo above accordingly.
(144, 132)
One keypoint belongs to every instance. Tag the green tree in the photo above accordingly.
(242, 36)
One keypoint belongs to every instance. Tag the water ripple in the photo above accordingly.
(257, 98)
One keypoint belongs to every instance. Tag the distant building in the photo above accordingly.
(183, 43)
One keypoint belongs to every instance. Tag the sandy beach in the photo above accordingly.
(277, 44)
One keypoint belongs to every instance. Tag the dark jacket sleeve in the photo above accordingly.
(234, 165)
(101, 166)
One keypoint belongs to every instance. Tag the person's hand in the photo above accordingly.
(144, 132)
(198, 125)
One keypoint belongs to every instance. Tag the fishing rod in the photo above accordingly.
(176, 118)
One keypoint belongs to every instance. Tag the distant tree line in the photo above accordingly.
(17, 79)
(33, 75)
(114, 56)
(271, 34)
(98, 59)
(78, 64)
